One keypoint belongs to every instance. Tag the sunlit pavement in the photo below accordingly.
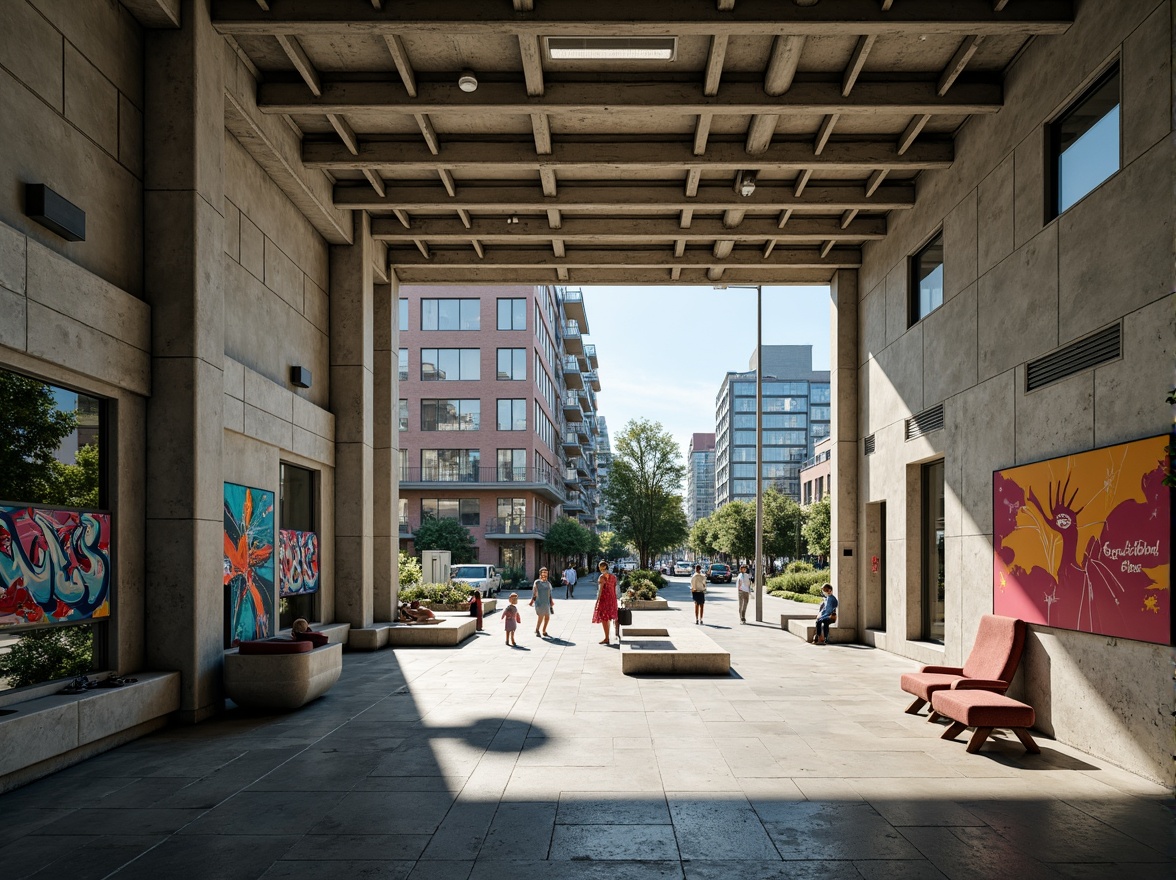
(543, 761)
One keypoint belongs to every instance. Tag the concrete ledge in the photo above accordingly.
(451, 631)
(806, 629)
(336, 633)
(488, 607)
(281, 681)
(671, 651)
(368, 638)
(49, 730)
(788, 616)
(651, 605)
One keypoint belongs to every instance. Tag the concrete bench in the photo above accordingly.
(984, 711)
(447, 632)
(806, 628)
(281, 681)
(673, 651)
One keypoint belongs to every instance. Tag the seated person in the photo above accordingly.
(475, 603)
(300, 631)
(412, 612)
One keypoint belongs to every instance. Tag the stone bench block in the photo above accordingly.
(789, 616)
(36, 731)
(281, 681)
(105, 712)
(671, 651)
(807, 628)
(450, 632)
(651, 605)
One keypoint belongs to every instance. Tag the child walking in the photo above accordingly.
(512, 618)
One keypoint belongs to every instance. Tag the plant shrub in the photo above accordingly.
(643, 588)
(798, 566)
(816, 590)
(654, 577)
(440, 594)
(512, 575)
(410, 570)
(796, 597)
(797, 582)
(48, 654)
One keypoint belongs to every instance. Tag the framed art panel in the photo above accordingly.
(249, 563)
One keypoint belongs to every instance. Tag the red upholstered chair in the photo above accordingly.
(991, 665)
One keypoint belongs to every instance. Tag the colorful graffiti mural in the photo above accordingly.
(298, 563)
(54, 565)
(1082, 542)
(249, 562)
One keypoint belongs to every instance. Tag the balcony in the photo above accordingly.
(571, 443)
(590, 353)
(573, 378)
(580, 465)
(516, 528)
(406, 530)
(593, 379)
(574, 502)
(543, 481)
(587, 402)
(584, 432)
(571, 478)
(572, 410)
(572, 342)
(573, 306)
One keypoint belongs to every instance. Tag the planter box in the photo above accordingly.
(650, 605)
(281, 681)
(488, 606)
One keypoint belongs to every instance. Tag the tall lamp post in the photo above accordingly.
(758, 565)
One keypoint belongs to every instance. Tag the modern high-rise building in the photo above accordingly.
(700, 477)
(603, 466)
(497, 414)
(795, 414)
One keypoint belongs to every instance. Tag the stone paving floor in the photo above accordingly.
(487, 762)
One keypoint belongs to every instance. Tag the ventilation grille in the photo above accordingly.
(925, 422)
(1106, 345)
(870, 445)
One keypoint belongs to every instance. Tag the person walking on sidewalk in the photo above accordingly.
(698, 593)
(743, 591)
(569, 579)
(606, 599)
(543, 602)
(825, 616)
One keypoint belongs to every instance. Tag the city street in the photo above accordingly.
(544, 761)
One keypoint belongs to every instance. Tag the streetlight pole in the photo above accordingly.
(759, 454)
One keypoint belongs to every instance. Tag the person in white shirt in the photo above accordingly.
(569, 579)
(743, 591)
(698, 593)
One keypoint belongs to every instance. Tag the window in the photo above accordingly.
(1084, 143)
(779, 471)
(747, 421)
(744, 389)
(403, 464)
(820, 413)
(403, 414)
(743, 487)
(543, 427)
(450, 415)
(512, 364)
(402, 304)
(785, 389)
(464, 510)
(450, 364)
(820, 394)
(512, 414)
(785, 420)
(745, 404)
(450, 464)
(744, 438)
(933, 565)
(296, 510)
(512, 465)
(514, 509)
(403, 364)
(512, 314)
(785, 404)
(746, 471)
(785, 438)
(451, 314)
(927, 279)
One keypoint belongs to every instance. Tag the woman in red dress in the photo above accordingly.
(605, 611)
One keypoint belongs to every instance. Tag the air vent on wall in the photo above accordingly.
(925, 422)
(1098, 348)
(870, 445)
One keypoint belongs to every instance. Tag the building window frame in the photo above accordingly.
(920, 278)
(515, 411)
(466, 317)
(516, 362)
(1057, 134)
(515, 313)
(932, 545)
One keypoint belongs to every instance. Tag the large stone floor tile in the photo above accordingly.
(716, 828)
(831, 831)
(264, 812)
(975, 854)
(748, 870)
(896, 869)
(549, 870)
(378, 812)
(627, 842)
(520, 830)
(353, 869)
(211, 857)
(334, 847)
(462, 832)
(441, 871)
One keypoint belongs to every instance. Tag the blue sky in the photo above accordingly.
(664, 350)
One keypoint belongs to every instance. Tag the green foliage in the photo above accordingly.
(513, 575)
(48, 654)
(817, 527)
(74, 485)
(641, 493)
(439, 594)
(798, 565)
(567, 538)
(410, 570)
(656, 578)
(702, 537)
(30, 433)
(612, 546)
(783, 519)
(445, 534)
(735, 529)
(797, 597)
(817, 590)
(797, 582)
(641, 588)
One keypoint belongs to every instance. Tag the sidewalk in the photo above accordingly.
(545, 762)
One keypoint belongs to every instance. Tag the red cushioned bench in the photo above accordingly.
(984, 710)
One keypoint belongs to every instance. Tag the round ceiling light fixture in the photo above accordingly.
(467, 82)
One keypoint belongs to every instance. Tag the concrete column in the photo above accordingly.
(352, 402)
(184, 282)
(386, 537)
(843, 356)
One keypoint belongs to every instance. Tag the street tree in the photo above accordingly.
(735, 529)
(642, 491)
(445, 534)
(30, 433)
(817, 529)
(702, 536)
(783, 519)
(612, 546)
(567, 539)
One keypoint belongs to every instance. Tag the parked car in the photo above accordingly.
(719, 573)
(485, 578)
(683, 568)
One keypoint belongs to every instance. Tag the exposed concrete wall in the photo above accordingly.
(1015, 287)
(71, 101)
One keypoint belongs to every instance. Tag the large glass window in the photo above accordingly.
(743, 389)
(927, 279)
(933, 565)
(785, 404)
(744, 421)
(464, 510)
(512, 364)
(403, 364)
(785, 420)
(402, 306)
(1084, 143)
(512, 414)
(296, 510)
(820, 413)
(785, 389)
(512, 465)
(451, 415)
(512, 314)
(450, 364)
(785, 438)
(403, 414)
(820, 394)
(451, 314)
(450, 464)
(743, 470)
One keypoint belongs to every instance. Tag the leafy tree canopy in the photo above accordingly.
(783, 519)
(567, 538)
(702, 536)
(735, 529)
(31, 431)
(445, 534)
(612, 547)
(817, 528)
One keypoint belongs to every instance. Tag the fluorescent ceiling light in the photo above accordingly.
(612, 48)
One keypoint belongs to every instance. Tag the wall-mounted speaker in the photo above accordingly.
(55, 212)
